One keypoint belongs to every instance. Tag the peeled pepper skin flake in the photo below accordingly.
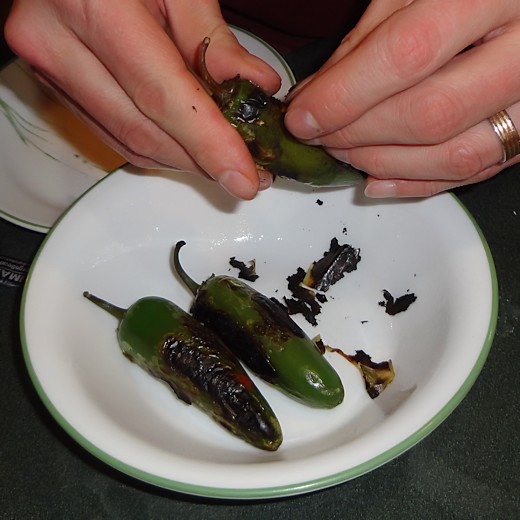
(376, 375)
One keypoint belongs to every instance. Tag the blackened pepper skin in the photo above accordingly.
(260, 333)
(174, 347)
(259, 119)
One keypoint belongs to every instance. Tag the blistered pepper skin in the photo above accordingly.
(263, 336)
(174, 347)
(259, 119)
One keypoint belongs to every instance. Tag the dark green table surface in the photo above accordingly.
(468, 468)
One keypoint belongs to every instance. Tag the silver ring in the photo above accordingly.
(506, 131)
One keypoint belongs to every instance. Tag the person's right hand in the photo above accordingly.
(408, 95)
(121, 65)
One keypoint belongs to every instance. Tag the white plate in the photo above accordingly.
(48, 157)
(116, 241)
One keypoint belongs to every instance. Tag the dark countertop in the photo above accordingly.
(468, 468)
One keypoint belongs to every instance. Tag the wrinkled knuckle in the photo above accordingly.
(436, 116)
(13, 33)
(344, 138)
(139, 139)
(410, 51)
(335, 107)
(464, 160)
(152, 97)
(27, 29)
(375, 165)
(340, 96)
(23, 41)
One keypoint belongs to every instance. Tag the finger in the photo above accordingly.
(454, 162)
(55, 61)
(182, 160)
(190, 22)
(403, 50)
(110, 112)
(57, 57)
(376, 13)
(456, 97)
(102, 96)
(146, 104)
(266, 180)
(166, 92)
(400, 188)
(455, 159)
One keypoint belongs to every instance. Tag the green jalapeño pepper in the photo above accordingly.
(259, 119)
(174, 347)
(264, 337)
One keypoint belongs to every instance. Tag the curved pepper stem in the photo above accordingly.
(190, 283)
(213, 88)
(116, 311)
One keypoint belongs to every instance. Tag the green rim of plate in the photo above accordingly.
(288, 489)
(27, 224)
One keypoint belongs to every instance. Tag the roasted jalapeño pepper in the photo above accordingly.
(264, 337)
(174, 347)
(259, 119)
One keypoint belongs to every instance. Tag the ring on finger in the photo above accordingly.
(506, 131)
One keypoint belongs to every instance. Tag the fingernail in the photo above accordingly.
(316, 141)
(302, 123)
(296, 88)
(381, 189)
(266, 180)
(341, 154)
(237, 185)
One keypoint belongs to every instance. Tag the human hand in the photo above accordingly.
(122, 66)
(402, 101)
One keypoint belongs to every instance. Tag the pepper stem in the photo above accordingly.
(117, 312)
(213, 88)
(189, 282)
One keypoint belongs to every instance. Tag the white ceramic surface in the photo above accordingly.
(48, 157)
(116, 241)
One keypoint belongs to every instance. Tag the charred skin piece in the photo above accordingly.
(263, 336)
(377, 376)
(174, 347)
(320, 276)
(259, 119)
(247, 272)
(333, 265)
(393, 305)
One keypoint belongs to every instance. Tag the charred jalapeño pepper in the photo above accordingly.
(174, 347)
(263, 336)
(259, 119)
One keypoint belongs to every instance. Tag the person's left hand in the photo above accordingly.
(407, 95)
